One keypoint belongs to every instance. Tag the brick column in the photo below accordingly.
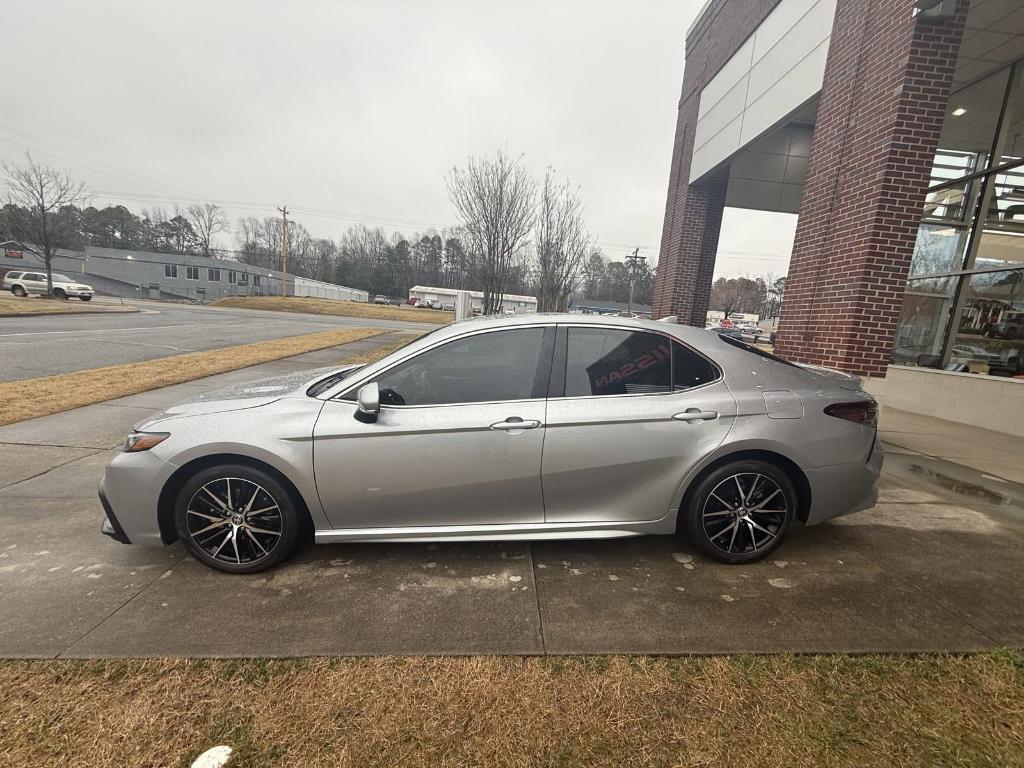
(693, 212)
(689, 239)
(881, 109)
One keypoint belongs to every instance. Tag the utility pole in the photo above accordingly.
(284, 249)
(633, 260)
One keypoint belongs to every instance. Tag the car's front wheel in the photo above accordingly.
(741, 511)
(85, 298)
(237, 519)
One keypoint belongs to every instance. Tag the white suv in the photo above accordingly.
(24, 283)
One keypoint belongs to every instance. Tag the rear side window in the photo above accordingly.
(689, 369)
(603, 361)
(14, 275)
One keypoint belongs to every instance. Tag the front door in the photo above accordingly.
(458, 440)
(637, 412)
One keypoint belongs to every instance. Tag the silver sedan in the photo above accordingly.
(542, 427)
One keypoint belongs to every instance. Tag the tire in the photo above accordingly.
(58, 293)
(19, 290)
(85, 298)
(734, 536)
(211, 535)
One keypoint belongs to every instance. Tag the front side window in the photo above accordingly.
(604, 361)
(486, 367)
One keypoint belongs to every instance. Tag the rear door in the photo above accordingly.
(631, 412)
(34, 282)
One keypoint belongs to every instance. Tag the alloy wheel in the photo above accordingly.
(744, 513)
(234, 520)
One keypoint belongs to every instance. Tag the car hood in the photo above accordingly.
(838, 378)
(251, 394)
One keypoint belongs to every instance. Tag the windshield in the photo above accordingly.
(61, 278)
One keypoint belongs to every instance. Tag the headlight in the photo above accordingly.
(143, 441)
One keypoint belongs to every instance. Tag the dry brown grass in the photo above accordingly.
(30, 398)
(34, 305)
(600, 711)
(329, 307)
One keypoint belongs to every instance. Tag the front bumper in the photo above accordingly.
(110, 526)
(130, 493)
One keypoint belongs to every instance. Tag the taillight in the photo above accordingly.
(862, 412)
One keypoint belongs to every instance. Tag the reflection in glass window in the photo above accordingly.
(487, 367)
(919, 334)
(604, 361)
(990, 336)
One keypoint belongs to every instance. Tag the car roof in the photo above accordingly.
(683, 332)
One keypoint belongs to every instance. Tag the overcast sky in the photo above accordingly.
(359, 109)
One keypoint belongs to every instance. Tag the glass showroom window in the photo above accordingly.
(964, 304)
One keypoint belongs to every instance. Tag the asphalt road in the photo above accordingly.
(925, 570)
(43, 346)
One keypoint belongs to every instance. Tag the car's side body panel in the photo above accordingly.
(431, 465)
(620, 458)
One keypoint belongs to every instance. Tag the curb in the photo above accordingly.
(130, 311)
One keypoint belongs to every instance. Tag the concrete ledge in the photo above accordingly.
(989, 402)
(125, 311)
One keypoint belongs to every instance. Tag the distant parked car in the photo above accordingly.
(380, 299)
(967, 352)
(750, 329)
(449, 307)
(24, 283)
(1008, 328)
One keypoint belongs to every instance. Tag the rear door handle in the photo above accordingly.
(695, 414)
(515, 423)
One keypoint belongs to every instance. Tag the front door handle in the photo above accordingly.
(695, 414)
(514, 423)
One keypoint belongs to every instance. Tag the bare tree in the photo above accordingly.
(562, 244)
(43, 193)
(736, 294)
(207, 220)
(494, 198)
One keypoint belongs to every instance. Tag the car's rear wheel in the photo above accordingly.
(741, 511)
(19, 291)
(237, 519)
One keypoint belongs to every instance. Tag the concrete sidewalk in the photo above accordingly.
(995, 454)
(935, 566)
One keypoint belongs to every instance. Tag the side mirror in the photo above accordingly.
(368, 400)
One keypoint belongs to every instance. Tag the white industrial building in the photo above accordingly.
(510, 302)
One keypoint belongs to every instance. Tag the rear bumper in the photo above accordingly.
(843, 489)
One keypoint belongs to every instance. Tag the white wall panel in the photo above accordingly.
(778, 68)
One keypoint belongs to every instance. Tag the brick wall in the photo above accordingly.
(881, 109)
(693, 214)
